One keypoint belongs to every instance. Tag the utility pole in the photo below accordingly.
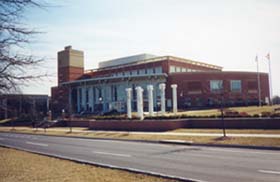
(70, 108)
(222, 91)
(259, 82)
(270, 79)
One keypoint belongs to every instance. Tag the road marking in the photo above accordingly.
(269, 172)
(39, 144)
(114, 154)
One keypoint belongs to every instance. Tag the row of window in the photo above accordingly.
(177, 69)
(154, 70)
(217, 85)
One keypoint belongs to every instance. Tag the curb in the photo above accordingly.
(237, 146)
(172, 142)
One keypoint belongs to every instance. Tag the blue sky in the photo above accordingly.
(223, 32)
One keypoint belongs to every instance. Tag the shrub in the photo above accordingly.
(255, 116)
(274, 115)
(266, 114)
(244, 114)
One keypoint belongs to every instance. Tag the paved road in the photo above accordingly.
(197, 163)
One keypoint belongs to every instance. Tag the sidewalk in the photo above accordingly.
(81, 130)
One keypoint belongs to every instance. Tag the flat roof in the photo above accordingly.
(156, 59)
(125, 60)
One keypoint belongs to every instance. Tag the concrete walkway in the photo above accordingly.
(83, 130)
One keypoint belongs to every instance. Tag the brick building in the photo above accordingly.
(22, 105)
(103, 89)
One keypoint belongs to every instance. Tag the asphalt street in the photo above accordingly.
(185, 162)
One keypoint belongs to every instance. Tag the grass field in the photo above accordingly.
(25, 167)
(231, 131)
(251, 110)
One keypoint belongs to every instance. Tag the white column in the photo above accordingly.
(128, 102)
(150, 89)
(174, 97)
(140, 112)
(162, 97)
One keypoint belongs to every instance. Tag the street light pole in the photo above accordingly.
(222, 115)
(222, 91)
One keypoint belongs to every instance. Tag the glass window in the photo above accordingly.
(80, 94)
(150, 70)
(127, 73)
(94, 96)
(158, 69)
(177, 69)
(235, 85)
(184, 70)
(114, 93)
(134, 72)
(87, 95)
(172, 69)
(142, 72)
(216, 85)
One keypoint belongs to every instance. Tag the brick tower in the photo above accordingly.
(70, 64)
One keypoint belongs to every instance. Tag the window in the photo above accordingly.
(114, 93)
(87, 95)
(94, 96)
(172, 69)
(150, 70)
(134, 72)
(235, 85)
(99, 93)
(127, 73)
(142, 72)
(216, 85)
(158, 70)
(80, 95)
(177, 69)
(184, 70)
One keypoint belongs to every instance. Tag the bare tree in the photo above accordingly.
(276, 100)
(14, 38)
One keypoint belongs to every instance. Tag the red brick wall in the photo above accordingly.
(59, 100)
(161, 125)
(66, 74)
(153, 125)
(185, 80)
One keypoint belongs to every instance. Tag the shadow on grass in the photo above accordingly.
(223, 138)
